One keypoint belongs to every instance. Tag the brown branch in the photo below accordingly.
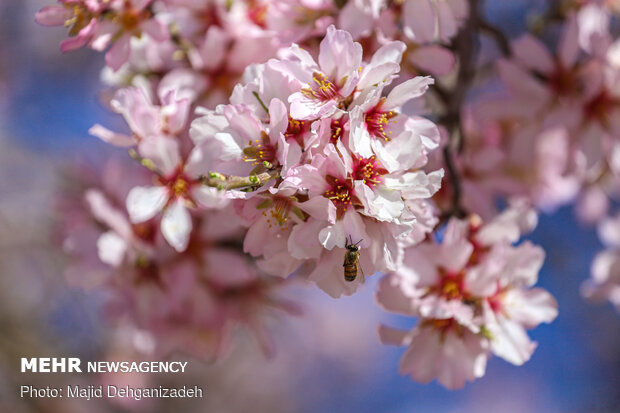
(497, 35)
(465, 46)
(457, 210)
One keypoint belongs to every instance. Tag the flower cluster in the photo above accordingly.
(472, 294)
(348, 159)
(284, 139)
(205, 45)
(552, 134)
(100, 24)
(191, 301)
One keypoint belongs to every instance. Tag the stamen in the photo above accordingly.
(336, 127)
(341, 194)
(296, 130)
(368, 170)
(376, 122)
(321, 88)
(260, 151)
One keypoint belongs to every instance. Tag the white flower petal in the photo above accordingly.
(143, 202)
(163, 151)
(408, 90)
(210, 197)
(111, 248)
(113, 138)
(510, 341)
(177, 225)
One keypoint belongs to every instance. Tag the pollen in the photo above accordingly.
(277, 209)
(257, 13)
(377, 122)
(340, 192)
(368, 170)
(443, 325)
(180, 187)
(80, 19)
(450, 289)
(451, 286)
(259, 151)
(321, 88)
(296, 130)
(336, 129)
(280, 210)
(129, 20)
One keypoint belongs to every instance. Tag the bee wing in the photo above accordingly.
(361, 270)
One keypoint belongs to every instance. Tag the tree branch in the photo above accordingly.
(466, 48)
(224, 182)
(497, 35)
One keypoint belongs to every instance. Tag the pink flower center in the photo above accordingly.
(279, 212)
(336, 128)
(179, 186)
(600, 107)
(451, 286)
(368, 170)
(296, 130)
(259, 151)
(340, 192)
(443, 325)
(377, 121)
(495, 301)
(565, 81)
(130, 19)
(321, 88)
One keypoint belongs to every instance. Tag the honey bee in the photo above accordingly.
(352, 261)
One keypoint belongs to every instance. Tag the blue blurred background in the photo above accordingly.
(48, 103)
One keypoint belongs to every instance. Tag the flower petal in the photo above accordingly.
(177, 225)
(144, 202)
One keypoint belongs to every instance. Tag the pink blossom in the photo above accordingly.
(378, 129)
(437, 350)
(145, 119)
(295, 21)
(471, 291)
(328, 82)
(100, 23)
(245, 142)
(604, 281)
(428, 20)
(179, 188)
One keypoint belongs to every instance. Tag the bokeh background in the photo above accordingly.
(329, 360)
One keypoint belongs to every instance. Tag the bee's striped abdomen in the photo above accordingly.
(351, 259)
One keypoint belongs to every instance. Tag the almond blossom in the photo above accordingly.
(472, 293)
(145, 119)
(276, 136)
(150, 287)
(427, 20)
(179, 187)
(336, 191)
(604, 281)
(98, 23)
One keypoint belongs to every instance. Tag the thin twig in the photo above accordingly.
(497, 35)
(466, 48)
(457, 210)
(224, 182)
